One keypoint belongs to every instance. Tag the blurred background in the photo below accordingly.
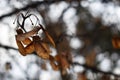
(89, 30)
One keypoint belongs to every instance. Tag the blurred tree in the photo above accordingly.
(96, 35)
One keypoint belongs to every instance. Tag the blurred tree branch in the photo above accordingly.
(99, 35)
(31, 5)
(94, 69)
(7, 47)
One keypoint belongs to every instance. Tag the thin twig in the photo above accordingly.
(7, 47)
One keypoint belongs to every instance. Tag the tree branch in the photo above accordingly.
(95, 70)
(7, 47)
(32, 5)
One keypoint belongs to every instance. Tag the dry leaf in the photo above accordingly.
(116, 42)
(82, 76)
(53, 63)
(20, 47)
(45, 46)
(25, 50)
(41, 50)
(23, 36)
(50, 38)
(29, 48)
(68, 56)
(62, 62)
(26, 41)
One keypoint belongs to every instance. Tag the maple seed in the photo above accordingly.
(29, 42)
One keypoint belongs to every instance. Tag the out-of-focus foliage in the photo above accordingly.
(82, 40)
